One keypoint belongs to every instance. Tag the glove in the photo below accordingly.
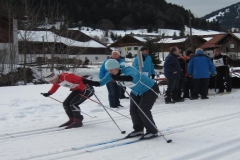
(46, 94)
(153, 76)
(91, 83)
(122, 78)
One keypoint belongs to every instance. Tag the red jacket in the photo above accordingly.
(69, 80)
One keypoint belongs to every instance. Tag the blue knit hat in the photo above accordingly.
(112, 64)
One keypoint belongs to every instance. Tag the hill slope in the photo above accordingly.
(228, 17)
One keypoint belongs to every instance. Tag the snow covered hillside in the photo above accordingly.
(167, 32)
(227, 17)
(200, 129)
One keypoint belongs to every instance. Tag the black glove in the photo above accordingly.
(91, 83)
(46, 94)
(122, 78)
(153, 76)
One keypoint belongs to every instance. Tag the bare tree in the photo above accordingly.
(31, 20)
(9, 49)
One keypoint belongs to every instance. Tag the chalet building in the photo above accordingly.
(47, 45)
(228, 43)
(183, 43)
(133, 43)
(128, 44)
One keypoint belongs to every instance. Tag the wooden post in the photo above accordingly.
(140, 61)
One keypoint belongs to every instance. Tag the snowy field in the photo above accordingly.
(200, 129)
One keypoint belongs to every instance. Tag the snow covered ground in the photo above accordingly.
(200, 129)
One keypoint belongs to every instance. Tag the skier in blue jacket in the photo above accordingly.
(199, 68)
(144, 93)
(148, 68)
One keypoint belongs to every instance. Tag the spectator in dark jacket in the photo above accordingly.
(181, 82)
(188, 80)
(172, 71)
(221, 63)
(199, 68)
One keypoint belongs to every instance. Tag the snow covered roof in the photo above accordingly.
(48, 36)
(172, 40)
(237, 35)
(142, 39)
(208, 38)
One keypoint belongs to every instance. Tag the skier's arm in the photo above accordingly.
(102, 82)
(54, 88)
(91, 83)
(122, 78)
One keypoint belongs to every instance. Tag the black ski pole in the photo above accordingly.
(123, 132)
(167, 140)
(104, 106)
(215, 82)
(227, 71)
(81, 111)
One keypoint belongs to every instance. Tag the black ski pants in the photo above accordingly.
(188, 87)
(74, 99)
(200, 86)
(145, 102)
(172, 89)
(221, 78)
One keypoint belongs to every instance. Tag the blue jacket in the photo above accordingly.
(172, 65)
(103, 71)
(148, 65)
(201, 66)
(139, 81)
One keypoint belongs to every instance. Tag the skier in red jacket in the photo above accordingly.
(74, 99)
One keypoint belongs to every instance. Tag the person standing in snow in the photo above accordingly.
(74, 99)
(172, 71)
(181, 82)
(188, 80)
(221, 63)
(199, 68)
(143, 91)
(148, 68)
(114, 90)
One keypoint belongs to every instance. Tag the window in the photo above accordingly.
(231, 45)
(135, 48)
(129, 48)
(96, 58)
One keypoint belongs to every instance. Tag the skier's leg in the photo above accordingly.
(67, 108)
(137, 122)
(111, 94)
(117, 90)
(74, 104)
(146, 103)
